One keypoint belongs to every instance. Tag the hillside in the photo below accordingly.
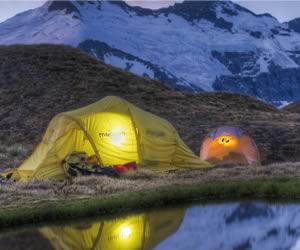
(39, 81)
(293, 107)
(195, 45)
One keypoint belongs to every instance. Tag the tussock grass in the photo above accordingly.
(51, 79)
(84, 196)
(143, 180)
(142, 174)
(12, 154)
(45, 211)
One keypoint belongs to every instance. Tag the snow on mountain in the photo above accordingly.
(196, 45)
(133, 64)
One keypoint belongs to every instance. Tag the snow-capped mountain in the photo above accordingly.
(196, 45)
(133, 64)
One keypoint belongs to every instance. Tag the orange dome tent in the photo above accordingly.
(229, 145)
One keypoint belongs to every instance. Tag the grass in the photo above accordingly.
(12, 155)
(64, 208)
(45, 200)
(51, 79)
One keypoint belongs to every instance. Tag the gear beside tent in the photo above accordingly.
(229, 145)
(114, 131)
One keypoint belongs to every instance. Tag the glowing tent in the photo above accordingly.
(229, 145)
(116, 132)
(139, 232)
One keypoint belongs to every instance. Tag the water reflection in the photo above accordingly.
(236, 226)
(142, 231)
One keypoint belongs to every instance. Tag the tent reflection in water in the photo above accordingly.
(116, 132)
(229, 145)
(139, 232)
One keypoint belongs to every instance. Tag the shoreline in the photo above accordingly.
(279, 189)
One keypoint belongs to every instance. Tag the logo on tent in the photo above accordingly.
(116, 137)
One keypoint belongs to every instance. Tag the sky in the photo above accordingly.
(282, 10)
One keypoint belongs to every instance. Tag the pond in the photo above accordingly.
(237, 226)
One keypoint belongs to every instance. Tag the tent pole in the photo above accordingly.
(79, 123)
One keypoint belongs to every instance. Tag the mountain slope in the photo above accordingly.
(133, 64)
(196, 45)
(52, 79)
(295, 25)
(293, 107)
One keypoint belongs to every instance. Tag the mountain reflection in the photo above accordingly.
(238, 226)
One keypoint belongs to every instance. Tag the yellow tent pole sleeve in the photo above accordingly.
(87, 136)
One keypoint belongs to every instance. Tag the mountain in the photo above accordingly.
(133, 64)
(53, 78)
(194, 45)
(295, 25)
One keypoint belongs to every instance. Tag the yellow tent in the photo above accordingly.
(139, 232)
(116, 132)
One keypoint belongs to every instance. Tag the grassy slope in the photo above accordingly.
(293, 107)
(37, 82)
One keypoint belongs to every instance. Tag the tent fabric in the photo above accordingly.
(138, 232)
(227, 145)
(114, 130)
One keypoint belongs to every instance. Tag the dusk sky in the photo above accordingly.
(282, 10)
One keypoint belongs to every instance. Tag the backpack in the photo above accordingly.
(76, 164)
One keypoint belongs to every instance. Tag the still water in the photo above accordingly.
(236, 226)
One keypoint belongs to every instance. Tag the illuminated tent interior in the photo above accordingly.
(229, 145)
(139, 232)
(116, 132)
